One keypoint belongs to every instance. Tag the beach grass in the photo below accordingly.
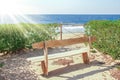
(15, 37)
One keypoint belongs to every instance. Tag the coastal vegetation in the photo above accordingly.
(107, 34)
(14, 37)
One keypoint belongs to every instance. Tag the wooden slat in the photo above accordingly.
(57, 43)
(67, 54)
(35, 59)
(38, 45)
(58, 55)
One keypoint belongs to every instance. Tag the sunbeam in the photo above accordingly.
(10, 10)
(9, 7)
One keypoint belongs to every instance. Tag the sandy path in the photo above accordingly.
(79, 71)
(17, 68)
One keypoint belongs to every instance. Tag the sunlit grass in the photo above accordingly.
(15, 37)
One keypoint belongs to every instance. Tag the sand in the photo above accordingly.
(18, 68)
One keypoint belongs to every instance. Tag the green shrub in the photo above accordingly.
(11, 38)
(107, 34)
(39, 32)
(15, 37)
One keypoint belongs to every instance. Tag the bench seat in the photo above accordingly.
(58, 55)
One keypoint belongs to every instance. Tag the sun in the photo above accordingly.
(8, 7)
(10, 10)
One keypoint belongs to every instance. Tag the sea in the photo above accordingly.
(69, 21)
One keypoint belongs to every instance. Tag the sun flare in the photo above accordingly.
(13, 11)
(8, 7)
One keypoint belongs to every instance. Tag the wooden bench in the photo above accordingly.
(57, 43)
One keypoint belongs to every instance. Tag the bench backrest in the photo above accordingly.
(66, 42)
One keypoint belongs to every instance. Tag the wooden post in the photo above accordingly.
(85, 58)
(90, 45)
(89, 33)
(46, 59)
(60, 31)
(43, 67)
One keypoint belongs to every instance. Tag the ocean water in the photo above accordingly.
(72, 28)
(71, 23)
(73, 19)
(65, 19)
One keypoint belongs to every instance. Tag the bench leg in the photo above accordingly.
(85, 58)
(44, 68)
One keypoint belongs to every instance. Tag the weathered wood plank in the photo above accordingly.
(38, 45)
(67, 54)
(59, 55)
(57, 43)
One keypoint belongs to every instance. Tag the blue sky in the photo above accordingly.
(71, 6)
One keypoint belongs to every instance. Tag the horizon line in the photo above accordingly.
(73, 13)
